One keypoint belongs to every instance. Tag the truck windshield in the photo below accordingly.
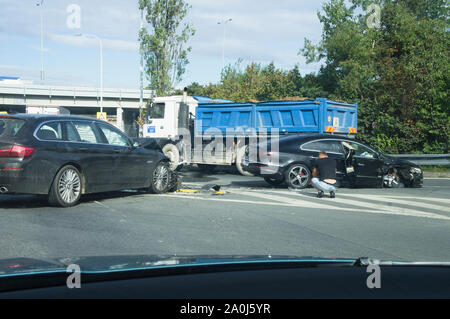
(10, 127)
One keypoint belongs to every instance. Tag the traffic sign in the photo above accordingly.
(102, 116)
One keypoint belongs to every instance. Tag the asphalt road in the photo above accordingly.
(252, 218)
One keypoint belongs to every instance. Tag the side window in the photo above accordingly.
(50, 131)
(362, 151)
(327, 146)
(334, 147)
(86, 132)
(114, 137)
(71, 133)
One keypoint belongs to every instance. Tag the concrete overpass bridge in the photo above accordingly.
(121, 105)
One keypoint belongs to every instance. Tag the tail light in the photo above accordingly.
(17, 151)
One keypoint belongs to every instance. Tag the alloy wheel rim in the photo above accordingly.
(298, 176)
(69, 186)
(161, 177)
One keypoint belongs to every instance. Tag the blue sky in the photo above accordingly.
(261, 31)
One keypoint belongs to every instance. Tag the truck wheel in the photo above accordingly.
(239, 157)
(160, 181)
(172, 152)
(297, 176)
(66, 188)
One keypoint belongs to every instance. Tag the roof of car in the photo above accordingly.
(47, 117)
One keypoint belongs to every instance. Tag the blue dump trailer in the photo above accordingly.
(285, 117)
(220, 131)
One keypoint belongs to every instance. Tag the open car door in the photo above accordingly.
(364, 167)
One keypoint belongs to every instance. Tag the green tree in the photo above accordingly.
(398, 73)
(164, 48)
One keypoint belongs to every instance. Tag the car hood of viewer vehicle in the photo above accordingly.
(28, 266)
(118, 264)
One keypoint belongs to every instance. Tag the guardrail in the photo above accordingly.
(419, 159)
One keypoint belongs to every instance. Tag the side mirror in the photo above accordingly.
(136, 144)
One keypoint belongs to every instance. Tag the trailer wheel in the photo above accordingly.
(172, 152)
(239, 157)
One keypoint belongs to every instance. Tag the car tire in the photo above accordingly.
(66, 187)
(239, 157)
(172, 152)
(274, 181)
(298, 176)
(160, 179)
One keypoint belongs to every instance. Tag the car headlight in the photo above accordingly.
(415, 170)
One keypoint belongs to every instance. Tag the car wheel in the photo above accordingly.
(297, 176)
(160, 179)
(392, 181)
(274, 181)
(66, 188)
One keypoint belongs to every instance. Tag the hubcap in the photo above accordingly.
(298, 176)
(161, 177)
(69, 186)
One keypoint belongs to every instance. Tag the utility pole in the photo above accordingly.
(141, 69)
(224, 23)
(42, 39)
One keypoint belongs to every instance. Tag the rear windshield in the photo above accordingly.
(10, 127)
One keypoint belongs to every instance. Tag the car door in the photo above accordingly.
(367, 164)
(129, 171)
(333, 149)
(97, 160)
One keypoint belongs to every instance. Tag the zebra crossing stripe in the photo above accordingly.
(306, 203)
(288, 201)
(376, 208)
(445, 201)
(400, 200)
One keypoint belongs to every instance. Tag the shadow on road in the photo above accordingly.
(40, 201)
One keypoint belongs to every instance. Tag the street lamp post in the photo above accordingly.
(42, 40)
(101, 64)
(224, 23)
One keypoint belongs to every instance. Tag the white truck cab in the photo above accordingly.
(163, 117)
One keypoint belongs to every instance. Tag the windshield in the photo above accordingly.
(225, 128)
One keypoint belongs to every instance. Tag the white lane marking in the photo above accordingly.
(397, 210)
(358, 203)
(266, 203)
(382, 212)
(286, 200)
(400, 200)
(433, 199)
(227, 200)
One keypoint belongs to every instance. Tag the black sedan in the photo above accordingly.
(359, 165)
(65, 157)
